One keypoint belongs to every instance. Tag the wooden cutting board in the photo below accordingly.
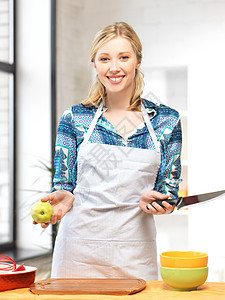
(85, 286)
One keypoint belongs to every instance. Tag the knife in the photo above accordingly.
(190, 200)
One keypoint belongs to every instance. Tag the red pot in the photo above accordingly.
(10, 280)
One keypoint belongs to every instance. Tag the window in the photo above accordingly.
(7, 123)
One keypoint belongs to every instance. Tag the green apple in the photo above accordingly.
(41, 212)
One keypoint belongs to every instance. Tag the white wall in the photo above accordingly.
(176, 33)
(33, 116)
(71, 74)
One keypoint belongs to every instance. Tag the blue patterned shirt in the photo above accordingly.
(76, 120)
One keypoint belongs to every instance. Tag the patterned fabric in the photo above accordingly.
(76, 120)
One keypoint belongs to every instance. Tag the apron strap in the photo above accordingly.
(93, 123)
(150, 128)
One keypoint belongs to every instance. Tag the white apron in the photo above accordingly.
(105, 234)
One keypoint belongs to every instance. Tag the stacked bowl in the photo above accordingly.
(184, 270)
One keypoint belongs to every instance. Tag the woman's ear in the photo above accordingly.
(138, 64)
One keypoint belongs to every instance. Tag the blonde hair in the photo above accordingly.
(97, 92)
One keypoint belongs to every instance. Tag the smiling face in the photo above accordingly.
(116, 62)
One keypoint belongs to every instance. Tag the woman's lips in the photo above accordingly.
(115, 79)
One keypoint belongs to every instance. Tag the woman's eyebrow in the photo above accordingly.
(120, 53)
(125, 52)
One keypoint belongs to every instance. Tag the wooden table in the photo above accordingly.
(155, 290)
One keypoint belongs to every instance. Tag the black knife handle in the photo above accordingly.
(175, 201)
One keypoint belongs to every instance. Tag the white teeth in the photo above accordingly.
(115, 79)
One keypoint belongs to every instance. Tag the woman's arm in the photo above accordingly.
(65, 154)
(64, 180)
(168, 178)
(167, 182)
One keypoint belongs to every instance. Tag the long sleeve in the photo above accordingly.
(170, 169)
(65, 154)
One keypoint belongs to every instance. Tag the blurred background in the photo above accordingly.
(45, 68)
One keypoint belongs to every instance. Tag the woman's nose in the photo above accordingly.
(114, 67)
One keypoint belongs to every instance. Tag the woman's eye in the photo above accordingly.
(124, 57)
(104, 59)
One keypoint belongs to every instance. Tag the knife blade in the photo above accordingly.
(190, 200)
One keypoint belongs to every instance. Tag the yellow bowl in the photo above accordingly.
(183, 259)
(182, 279)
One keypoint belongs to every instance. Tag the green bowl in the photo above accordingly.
(181, 279)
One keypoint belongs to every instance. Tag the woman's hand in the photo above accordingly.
(61, 202)
(147, 199)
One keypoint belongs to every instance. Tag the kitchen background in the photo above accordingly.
(184, 66)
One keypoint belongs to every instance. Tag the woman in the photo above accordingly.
(115, 154)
